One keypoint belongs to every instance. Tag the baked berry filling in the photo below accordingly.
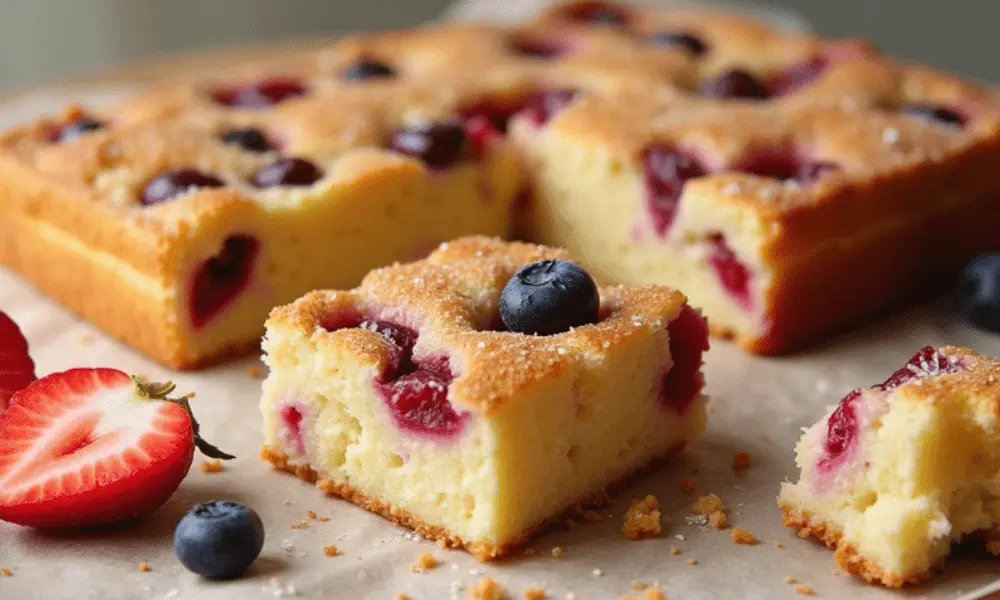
(678, 39)
(785, 164)
(599, 13)
(287, 171)
(542, 106)
(734, 84)
(842, 426)
(367, 68)
(74, 129)
(261, 94)
(798, 76)
(439, 145)
(733, 275)
(221, 278)
(291, 421)
(173, 183)
(665, 170)
(933, 114)
(248, 138)
(539, 47)
(415, 391)
(688, 342)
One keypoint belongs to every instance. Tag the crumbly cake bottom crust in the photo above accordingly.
(845, 553)
(444, 538)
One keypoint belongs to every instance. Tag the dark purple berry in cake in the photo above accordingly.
(798, 76)
(219, 540)
(75, 129)
(542, 106)
(549, 297)
(933, 114)
(665, 171)
(599, 13)
(247, 138)
(220, 279)
(261, 94)
(978, 292)
(287, 171)
(173, 183)
(367, 68)
(439, 144)
(675, 39)
(734, 84)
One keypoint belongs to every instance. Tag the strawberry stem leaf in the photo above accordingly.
(160, 392)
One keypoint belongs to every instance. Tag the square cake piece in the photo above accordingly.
(898, 472)
(408, 397)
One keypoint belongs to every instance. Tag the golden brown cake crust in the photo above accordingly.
(443, 537)
(846, 554)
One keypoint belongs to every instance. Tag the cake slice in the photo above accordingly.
(897, 472)
(408, 397)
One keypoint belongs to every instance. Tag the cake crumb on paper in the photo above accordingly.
(741, 460)
(706, 505)
(692, 561)
(558, 552)
(789, 579)
(6, 573)
(639, 585)
(534, 593)
(402, 596)
(653, 593)
(688, 484)
(487, 589)
(718, 520)
(311, 515)
(674, 550)
(255, 372)
(742, 536)
(212, 466)
(642, 519)
(425, 562)
(804, 590)
(778, 545)
(144, 567)
(303, 524)
(331, 550)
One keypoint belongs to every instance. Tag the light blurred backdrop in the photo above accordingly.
(44, 40)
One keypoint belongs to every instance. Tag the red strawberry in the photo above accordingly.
(93, 446)
(16, 368)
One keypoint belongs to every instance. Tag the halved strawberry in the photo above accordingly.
(93, 446)
(16, 368)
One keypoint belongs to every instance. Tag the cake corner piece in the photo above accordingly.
(407, 398)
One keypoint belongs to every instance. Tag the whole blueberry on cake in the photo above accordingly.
(409, 397)
(898, 472)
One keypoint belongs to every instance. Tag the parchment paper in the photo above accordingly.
(758, 406)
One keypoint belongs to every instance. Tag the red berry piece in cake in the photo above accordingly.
(221, 278)
(76, 128)
(549, 297)
(683, 383)
(287, 171)
(785, 164)
(247, 138)
(17, 369)
(94, 446)
(665, 170)
(733, 275)
(933, 114)
(978, 292)
(693, 44)
(539, 47)
(365, 69)
(798, 76)
(599, 13)
(898, 472)
(439, 145)
(410, 403)
(174, 183)
(542, 106)
(734, 84)
(261, 94)
(219, 540)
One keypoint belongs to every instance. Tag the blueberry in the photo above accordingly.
(287, 171)
(75, 129)
(978, 292)
(247, 138)
(219, 540)
(736, 83)
(933, 114)
(437, 144)
(367, 68)
(170, 184)
(549, 297)
(691, 43)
